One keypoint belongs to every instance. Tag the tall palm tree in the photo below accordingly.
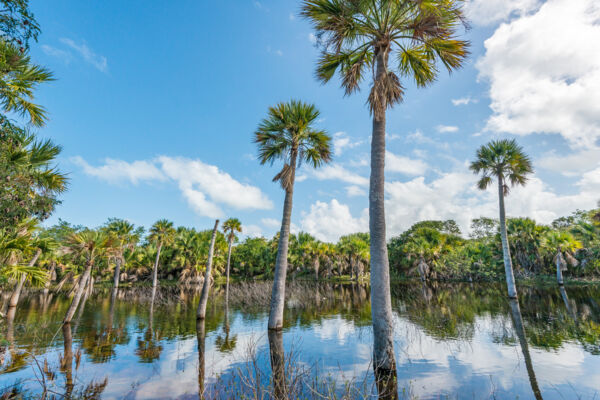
(89, 245)
(360, 36)
(230, 227)
(288, 134)
(162, 233)
(126, 237)
(505, 161)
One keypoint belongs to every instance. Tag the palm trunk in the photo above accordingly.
(277, 364)
(559, 274)
(66, 364)
(227, 270)
(79, 293)
(201, 335)
(381, 300)
(49, 281)
(518, 325)
(118, 273)
(201, 312)
(508, 268)
(281, 263)
(14, 299)
(155, 270)
(317, 265)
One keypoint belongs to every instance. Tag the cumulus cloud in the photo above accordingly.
(204, 186)
(544, 79)
(338, 172)
(329, 221)
(341, 142)
(404, 165)
(98, 61)
(117, 171)
(485, 12)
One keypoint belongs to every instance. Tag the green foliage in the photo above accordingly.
(17, 23)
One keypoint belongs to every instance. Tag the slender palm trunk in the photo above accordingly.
(201, 311)
(277, 364)
(155, 270)
(559, 266)
(66, 364)
(227, 271)
(508, 268)
(14, 299)
(317, 266)
(201, 336)
(49, 281)
(518, 325)
(381, 300)
(118, 272)
(281, 263)
(82, 286)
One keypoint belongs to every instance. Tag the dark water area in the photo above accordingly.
(451, 341)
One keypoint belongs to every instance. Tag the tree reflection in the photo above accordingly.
(520, 330)
(149, 348)
(201, 336)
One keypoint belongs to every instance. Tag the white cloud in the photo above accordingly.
(204, 186)
(97, 60)
(341, 142)
(547, 79)
(463, 101)
(117, 171)
(405, 165)
(253, 231)
(312, 38)
(329, 221)
(58, 53)
(271, 223)
(337, 172)
(572, 164)
(446, 128)
(355, 191)
(485, 12)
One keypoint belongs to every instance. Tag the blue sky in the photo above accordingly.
(155, 105)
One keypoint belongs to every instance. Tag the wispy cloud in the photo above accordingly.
(98, 61)
(463, 101)
(64, 55)
(446, 128)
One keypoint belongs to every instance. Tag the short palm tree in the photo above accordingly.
(505, 161)
(230, 228)
(89, 245)
(358, 37)
(126, 237)
(288, 134)
(161, 233)
(565, 245)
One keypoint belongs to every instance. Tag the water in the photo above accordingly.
(451, 341)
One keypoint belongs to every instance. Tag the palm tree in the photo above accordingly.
(162, 233)
(126, 237)
(201, 311)
(288, 134)
(18, 78)
(230, 227)
(89, 245)
(506, 161)
(357, 37)
(565, 245)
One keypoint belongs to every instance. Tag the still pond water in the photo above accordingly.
(451, 341)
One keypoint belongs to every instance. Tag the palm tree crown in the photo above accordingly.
(353, 34)
(503, 159)
(287, 134)
(89, 244)
(162, 232)
(230, 227)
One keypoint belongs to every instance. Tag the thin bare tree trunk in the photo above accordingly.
(508, 268)
(277, 364)
(559, 268)
(155, 270)
(201, 312)
(118, 273)
(78, 294)
(49, 281)
(381, 301)
(14, 299)
(201, 336)
(281, 263)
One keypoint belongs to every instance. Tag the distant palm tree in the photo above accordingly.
(505, 161)
(201, 310)
(90, 245)
(230, 227)
(288, 134)
(358, 37)
(565, 245)
(162, 233)
(126, 237)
